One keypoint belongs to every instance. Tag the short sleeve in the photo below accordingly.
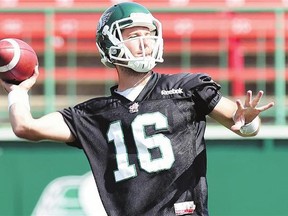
(68, 114)
(206, 95)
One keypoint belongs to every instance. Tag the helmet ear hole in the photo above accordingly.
(117, 51)
(114, 51)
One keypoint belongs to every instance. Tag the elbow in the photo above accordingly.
(24, 133)
(20, 131)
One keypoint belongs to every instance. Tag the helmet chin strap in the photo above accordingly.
(142, 66)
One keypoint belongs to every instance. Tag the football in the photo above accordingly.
(17, 60)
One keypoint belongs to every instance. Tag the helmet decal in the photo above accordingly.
(103, 20)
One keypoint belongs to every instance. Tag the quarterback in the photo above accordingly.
(144, 142)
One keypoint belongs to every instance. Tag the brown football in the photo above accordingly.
(17, 60)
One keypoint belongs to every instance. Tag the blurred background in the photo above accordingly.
(240, 43)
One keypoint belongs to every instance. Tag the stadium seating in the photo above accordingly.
(203, 30)
(150, 3)
(211, 31)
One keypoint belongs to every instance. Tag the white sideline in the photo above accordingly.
(212, 132)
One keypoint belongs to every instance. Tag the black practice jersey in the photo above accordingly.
(148, 154)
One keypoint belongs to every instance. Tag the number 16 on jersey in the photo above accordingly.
(143, 144)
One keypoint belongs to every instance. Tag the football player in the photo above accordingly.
(145, 142)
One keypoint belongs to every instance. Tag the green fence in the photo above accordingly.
(246, 178)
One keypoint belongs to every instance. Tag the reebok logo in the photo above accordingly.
(172, 91)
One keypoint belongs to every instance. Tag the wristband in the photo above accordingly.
(18, 96)
(251, 127)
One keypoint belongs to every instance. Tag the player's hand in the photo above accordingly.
(248, 111)
(24, 85)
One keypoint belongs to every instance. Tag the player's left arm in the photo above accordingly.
(243, 119)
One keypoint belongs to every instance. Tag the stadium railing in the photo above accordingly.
(64, 39)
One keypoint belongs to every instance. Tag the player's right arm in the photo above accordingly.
(51, 126)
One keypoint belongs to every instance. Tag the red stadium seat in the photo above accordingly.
(19, 24)
(191, 32)
(147, 3)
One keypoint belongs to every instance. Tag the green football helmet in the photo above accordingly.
(110, 42)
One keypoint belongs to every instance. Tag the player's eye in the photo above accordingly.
(133, 36)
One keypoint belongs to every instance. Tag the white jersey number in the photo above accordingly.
(143, 143)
